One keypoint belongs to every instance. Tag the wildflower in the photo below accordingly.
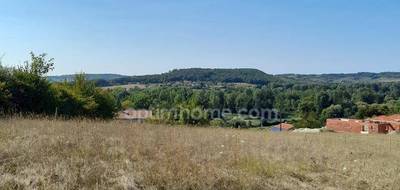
(242, 141)
(222, 146)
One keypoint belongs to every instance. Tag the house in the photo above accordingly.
(282, 127)
(380, 124)
(389, 118)
(134, 115)
(377, 127)
(393, 120)
(345, 125)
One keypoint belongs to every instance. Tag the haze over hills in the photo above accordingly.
(69, 77)
(241, 75)
(341, 77)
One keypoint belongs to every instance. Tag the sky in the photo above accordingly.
(135, 37)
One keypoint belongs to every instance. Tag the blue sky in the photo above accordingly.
(153, 36)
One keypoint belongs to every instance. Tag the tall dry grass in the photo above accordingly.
(46, 154)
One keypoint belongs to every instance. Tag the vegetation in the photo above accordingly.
(25, 90)
(312, 103)
(251, 76)
(342, 78)
(48, 154)
(62, 78)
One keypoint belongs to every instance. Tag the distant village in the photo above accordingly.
(383, 124)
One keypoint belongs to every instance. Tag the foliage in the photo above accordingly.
(25, 90)
(251, 76)
(312, 103)
(218, 122)
(333, 111)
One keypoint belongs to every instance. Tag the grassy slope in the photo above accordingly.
(98, 155)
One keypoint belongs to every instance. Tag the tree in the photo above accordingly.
(141, 101)
(307, 112)
(322, 101)
(306, 106)
(333, 111)
(29, 88)
(309, 120)
(216, 99)
(230, 101)
(365, 110)
(264, 98)
(245, 100)
(366, 95)
(82, 99)
(4, 98)
(38, 65)
(4, 93)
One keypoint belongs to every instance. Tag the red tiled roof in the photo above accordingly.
(345, 125)
(388, 118)
(286, 126)
(134, 114)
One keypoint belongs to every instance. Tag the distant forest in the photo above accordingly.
(251, 76)
(71, 77)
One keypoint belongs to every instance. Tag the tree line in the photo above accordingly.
(25, 90)
(251, 76)
(305, 105)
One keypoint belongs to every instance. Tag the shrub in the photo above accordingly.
(217, 122)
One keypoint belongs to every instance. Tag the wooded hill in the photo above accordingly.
(61, 78)
(251, 76)
(364, 77)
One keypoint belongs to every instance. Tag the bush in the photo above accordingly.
(25, 90)
(217, 122)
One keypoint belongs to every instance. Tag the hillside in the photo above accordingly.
(251, 76)
(61, 78)
(364, 77)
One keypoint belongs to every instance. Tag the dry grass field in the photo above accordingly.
(46, 154)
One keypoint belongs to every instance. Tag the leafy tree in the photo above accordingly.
(366, 95)
(264, 98)
(216, 99)
(309, 120)
(306, 106)
(29, 88)
(333, 111)
(322, 101)
(141, 101)
(39, 65)
(368, 110)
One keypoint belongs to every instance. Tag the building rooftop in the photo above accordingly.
(387, 118)
(132, 114)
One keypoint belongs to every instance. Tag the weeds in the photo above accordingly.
(50, 154)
